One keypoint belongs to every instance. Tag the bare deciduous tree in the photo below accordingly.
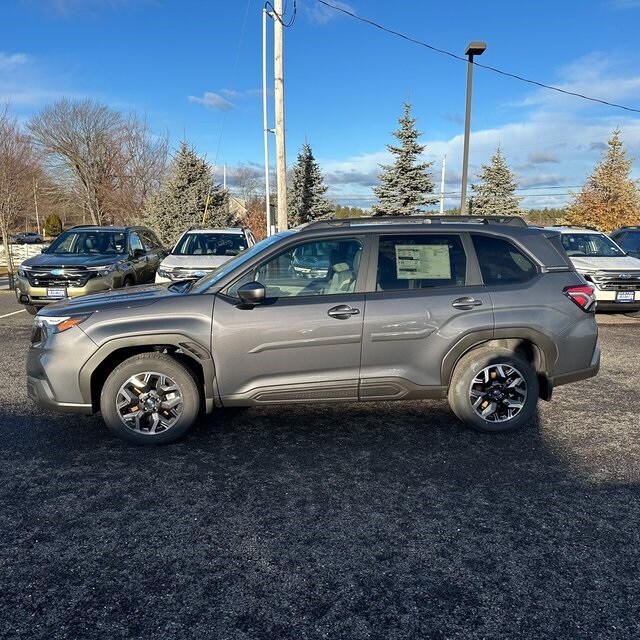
(108, 162)
(248, 182)
(18, 169)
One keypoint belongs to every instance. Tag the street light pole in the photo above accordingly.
(473, 49)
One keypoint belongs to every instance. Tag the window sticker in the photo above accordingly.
(423, 261)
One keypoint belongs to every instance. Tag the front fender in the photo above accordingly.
(112, 352)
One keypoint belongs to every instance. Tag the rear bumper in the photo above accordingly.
(581, 374)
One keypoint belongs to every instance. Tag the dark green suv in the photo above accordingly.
(88, 259)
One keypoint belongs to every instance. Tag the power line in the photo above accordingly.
(477, 64)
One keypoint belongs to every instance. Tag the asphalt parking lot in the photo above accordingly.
(385, 521)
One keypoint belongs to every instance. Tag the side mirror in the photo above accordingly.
(137, 253)
(252, 293)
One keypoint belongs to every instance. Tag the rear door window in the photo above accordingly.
(420, 261)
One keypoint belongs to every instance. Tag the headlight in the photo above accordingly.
(102, 271)
(58, 324)
(165, 272)
(22, 272)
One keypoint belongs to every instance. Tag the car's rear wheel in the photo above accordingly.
(128, 282)
(493, 390)
(150, 398)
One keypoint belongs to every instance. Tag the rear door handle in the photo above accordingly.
(343, 311)
(466, 303)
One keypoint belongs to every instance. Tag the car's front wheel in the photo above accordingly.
(493, 390)
(150, 398)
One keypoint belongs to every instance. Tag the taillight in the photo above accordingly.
(582, 295)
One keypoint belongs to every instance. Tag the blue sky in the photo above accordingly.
(195, 69)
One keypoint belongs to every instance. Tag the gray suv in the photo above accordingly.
(492, 316)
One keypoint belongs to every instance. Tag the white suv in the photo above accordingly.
(614, 273)
(200, 251)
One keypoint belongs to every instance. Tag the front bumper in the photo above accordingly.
(39, 390)
(610, 300)
(26, 293)
(53, 371)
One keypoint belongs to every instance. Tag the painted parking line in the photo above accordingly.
(13, 313)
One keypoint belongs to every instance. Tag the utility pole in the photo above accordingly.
(35, 203)
(281, 162)
(267, 131)
(444, 167)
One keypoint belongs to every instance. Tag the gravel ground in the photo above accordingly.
(386, 521)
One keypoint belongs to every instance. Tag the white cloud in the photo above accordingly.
(321, 14)
(68, 7)
(12, 61)
(625, 4)
(598, 76)
(213, 101)
(23, 83)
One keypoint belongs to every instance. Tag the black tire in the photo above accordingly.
(31, 310)
(493, 390)
(150, 399)
(128, 282)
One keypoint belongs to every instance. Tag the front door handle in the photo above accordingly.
(466, 303)
(343, 311)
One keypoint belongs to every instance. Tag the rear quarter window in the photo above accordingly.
(501, 262)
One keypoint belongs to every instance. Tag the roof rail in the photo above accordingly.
(515, 221)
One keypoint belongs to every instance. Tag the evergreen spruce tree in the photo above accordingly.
(495, 193)
(406, 185)
(610, 197)
(305, 196)
(52, 226)
(182, 199)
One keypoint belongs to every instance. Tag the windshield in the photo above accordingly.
(211, 278)
(210, 244)
(89, 242)
(591, 245)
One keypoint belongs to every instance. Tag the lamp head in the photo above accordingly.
(475, 48)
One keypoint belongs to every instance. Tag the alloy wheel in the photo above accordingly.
(498, 393)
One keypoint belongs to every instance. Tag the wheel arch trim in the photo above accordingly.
(543, 355)
(194, 352)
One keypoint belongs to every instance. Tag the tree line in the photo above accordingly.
(79, 161)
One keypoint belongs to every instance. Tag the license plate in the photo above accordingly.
(625, 296)
(57, 293)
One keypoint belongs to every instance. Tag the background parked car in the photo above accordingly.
(28, 237)
(614, 274)
(629, 239)
(87, 259)
(200, 251)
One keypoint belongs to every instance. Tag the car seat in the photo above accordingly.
(343, 279)
(91, 244)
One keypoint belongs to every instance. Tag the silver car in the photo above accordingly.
(200, 251)
(614, 274)
(491, 316)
